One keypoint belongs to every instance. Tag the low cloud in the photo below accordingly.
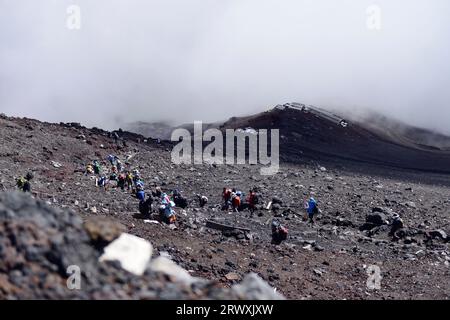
(186, 60)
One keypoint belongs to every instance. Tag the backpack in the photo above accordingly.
(254, 198)
(236, 201)
(140, 195)
(21, 182)
(315, 210)
(26, 186)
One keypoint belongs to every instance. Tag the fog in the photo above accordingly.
(186, 60)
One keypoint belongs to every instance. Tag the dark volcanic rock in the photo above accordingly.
(376, 218)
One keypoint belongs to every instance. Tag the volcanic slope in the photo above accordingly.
(328, 260)
(308, 135)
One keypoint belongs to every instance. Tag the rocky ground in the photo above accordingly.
(326, 261)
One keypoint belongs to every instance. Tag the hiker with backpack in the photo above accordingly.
(101, 182)
(279, 232)
(113, 159)
(157, 193)
(166, 211)
(226, 196)
(89, 169)
(113, 176)
(311, 209)
(129, 180)
(121, 181)
(252, 199)
(139, 190)
(136, 178)
(145, 206)
(97, 167)
(119, 166)
(24, 184)
(202, 200)
(397, 227)
(235, 202)
(179, 200)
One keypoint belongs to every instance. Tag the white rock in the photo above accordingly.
(56, 164)
(255, 288)
(132, 252)
(151, 221)
(165, 254)
(170, 268)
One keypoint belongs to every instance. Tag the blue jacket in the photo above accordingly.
(311, 205)
(140, 195)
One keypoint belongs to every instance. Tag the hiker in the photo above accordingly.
(226, 196)
(279, 232)
(97, 167)
(89, 169)
(145, 206)
(397, 226)
(112, 159)
(119, 165)
(235, 202)
(113, 176)
(24, 184)
(252, 200)
(179, 200)
(311, 209)
(202, 200)
(121, 181)
(139, 189)
(101, 182)
(139, 185)
(157, 193)
(129, 180)
(166, 209)
(116, 137)
(136, 177)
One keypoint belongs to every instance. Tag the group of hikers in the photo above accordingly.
(233, 199)
(236, 200)
(166, 201)
(132, 181)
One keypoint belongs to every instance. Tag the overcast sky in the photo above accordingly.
(185, 60)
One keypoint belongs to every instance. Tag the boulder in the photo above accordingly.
(103, 230)
(255, 288)
(376, 218)
(133, 253)
(171, 269)
(343, 222)
(438, 234)
(277, 200)
(276, 207)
